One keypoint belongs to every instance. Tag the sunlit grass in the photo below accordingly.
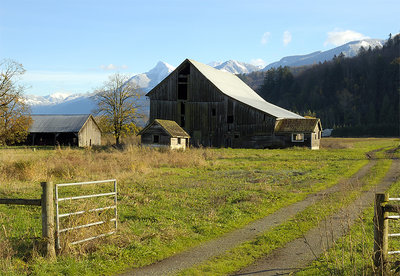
(168, 201)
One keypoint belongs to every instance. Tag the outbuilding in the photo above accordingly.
(299, 132)
(164, 133)
(66, 130)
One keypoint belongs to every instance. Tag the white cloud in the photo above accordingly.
(258, 62)
(265, 37)
(338, 37)
(287, 38)
(112, 67)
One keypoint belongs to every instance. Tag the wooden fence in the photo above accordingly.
(47, 204)
(381, 230)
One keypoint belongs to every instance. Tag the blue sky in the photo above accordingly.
(72, 46)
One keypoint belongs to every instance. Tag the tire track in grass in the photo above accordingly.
(298, 253)
(215, 247)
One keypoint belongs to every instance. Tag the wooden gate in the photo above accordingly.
(381, 229)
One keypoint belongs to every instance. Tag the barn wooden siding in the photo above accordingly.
(208, 112)
(164, 138)
(90, 134)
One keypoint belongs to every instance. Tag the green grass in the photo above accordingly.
(352, 254)
(168, 202)
(245, 254)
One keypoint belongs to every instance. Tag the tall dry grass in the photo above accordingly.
(67, 164)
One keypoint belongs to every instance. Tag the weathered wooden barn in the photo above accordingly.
(68, 130)
(217, 109)
(164, 133)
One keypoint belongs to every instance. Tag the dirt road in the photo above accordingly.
(218, 246)
(300, 252)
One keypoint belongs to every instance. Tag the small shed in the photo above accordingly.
(299, 132)
(66, 130)
(164, 133)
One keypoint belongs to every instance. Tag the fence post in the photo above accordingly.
(48, 218)
(381, 225)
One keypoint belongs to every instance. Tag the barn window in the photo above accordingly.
(229, 119)
(182, 124)
(156, 139)
(297, 137)
(182, 108)
(179, 141)
(182, 91)
(183, 82)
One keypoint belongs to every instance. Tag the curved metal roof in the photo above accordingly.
(234, 87)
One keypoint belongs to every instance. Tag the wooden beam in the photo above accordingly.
(381, 225)
(21, 201)
(392, 208)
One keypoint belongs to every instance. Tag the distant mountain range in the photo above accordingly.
(60, 103)
(349, 50)
(236, 67)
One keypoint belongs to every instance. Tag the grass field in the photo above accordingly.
(168, 201)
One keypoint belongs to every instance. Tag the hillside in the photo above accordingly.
(357, 96)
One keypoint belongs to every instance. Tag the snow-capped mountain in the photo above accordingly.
(62, 103)
(150, 79)
(236, 67)
(52, 99)
(214, 63)
(350, 49)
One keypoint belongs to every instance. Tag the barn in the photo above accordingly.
(67, 130)
(164, 133)
(218, 109)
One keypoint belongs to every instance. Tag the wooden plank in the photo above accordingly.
(380, 232)
(21, 201)
(392, 208)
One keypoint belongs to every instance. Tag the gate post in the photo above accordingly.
(48, 219)
(381, 225)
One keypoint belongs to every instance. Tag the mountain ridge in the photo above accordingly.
(349, 49)
(62, 103)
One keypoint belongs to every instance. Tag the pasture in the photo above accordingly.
(167, 201)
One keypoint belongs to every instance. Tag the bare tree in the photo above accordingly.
(14, 112)
(117, 106)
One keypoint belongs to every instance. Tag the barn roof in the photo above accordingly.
(297, 125)
(232, 86)
(171, 127)
(57, 123)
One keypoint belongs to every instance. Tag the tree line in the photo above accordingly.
(356, 96)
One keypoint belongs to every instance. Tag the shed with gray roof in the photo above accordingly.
(216, 108)
(73, 130)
